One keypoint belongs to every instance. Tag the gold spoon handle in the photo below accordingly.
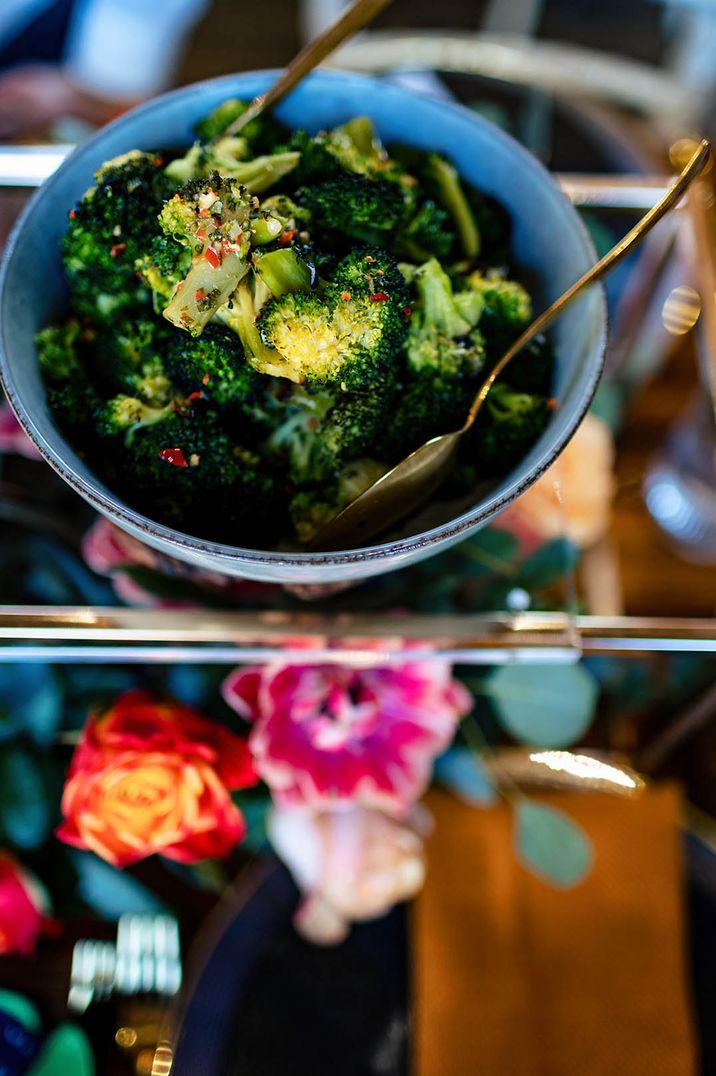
(602, 267)
(358, 15)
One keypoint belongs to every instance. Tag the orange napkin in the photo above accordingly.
(515, 978)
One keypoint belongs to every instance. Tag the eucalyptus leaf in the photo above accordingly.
(112, 892)
(22, 1010)
(66, 1052)
(30, 701)
(24, 807)
(551, 844)
(543, 705)
(461, 770)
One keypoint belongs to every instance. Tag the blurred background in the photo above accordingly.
(499, 967)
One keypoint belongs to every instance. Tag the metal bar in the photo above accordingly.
(29, 166)
(90, 634)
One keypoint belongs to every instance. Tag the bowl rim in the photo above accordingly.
(137, 522)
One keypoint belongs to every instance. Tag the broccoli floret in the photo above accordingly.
(296, 443)
(211, 217)
(505, 301)
(187, 473)
(108, 231)
(262, 134)
(427, 234)
(166, 264)
(57, 350)
(320, 431)
(507, 426)
(347, 336)
(214, 366)
(311, 509)
(351, 207)
(71, 396)
(445, 358)
(352, 148)
(227, 156)
(532, 370)
(124, 415)
(128, 360)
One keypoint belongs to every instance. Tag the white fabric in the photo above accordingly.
(127, 49)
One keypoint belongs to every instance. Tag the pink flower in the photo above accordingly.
(12, 436)
(351, 864)
(24, 908)
(108, 550)
(327, 734)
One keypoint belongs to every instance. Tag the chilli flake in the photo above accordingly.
(175, 456)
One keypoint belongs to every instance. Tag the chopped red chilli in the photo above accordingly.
(345, 295)
(205, 379)
(213, 257)
(72, 214)
(117, 249)
(285, 238)
(174, 456)
(379, 297)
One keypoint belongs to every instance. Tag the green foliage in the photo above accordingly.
(543, 705)
(551, 844)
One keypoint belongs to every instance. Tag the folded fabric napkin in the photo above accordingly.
(514, 977)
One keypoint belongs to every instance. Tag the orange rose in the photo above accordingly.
(573, 497)
(149, 777)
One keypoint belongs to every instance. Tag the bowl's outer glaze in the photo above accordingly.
(549, 241)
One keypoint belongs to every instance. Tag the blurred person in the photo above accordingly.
(89, 59)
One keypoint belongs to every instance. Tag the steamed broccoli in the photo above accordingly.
(311, 509)
(228, 157)
(187, 472)
(128, 359)
(108, 231)
(213, 366)
(442, 178)
(262, 134)
(351, 207)
(428, 233)
(505, 301)
(347, 336)
(164, 267)
(124, 415)
(71, 396)
(319, 430)
(210, 217)
(445, 357)
(283, 270)
(507, 426)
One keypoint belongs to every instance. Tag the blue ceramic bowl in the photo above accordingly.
(549, 242)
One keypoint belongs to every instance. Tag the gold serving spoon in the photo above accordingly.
(409, 484)
(355, 18)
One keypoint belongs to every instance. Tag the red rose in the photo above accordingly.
(23, 908)
(153, 777)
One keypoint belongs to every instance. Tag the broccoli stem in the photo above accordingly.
(266, 360)
(205, 289)
(265, 229)
(283, 271)
(361, 132)
(260, 173)
(437, 302)
(450, 193)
